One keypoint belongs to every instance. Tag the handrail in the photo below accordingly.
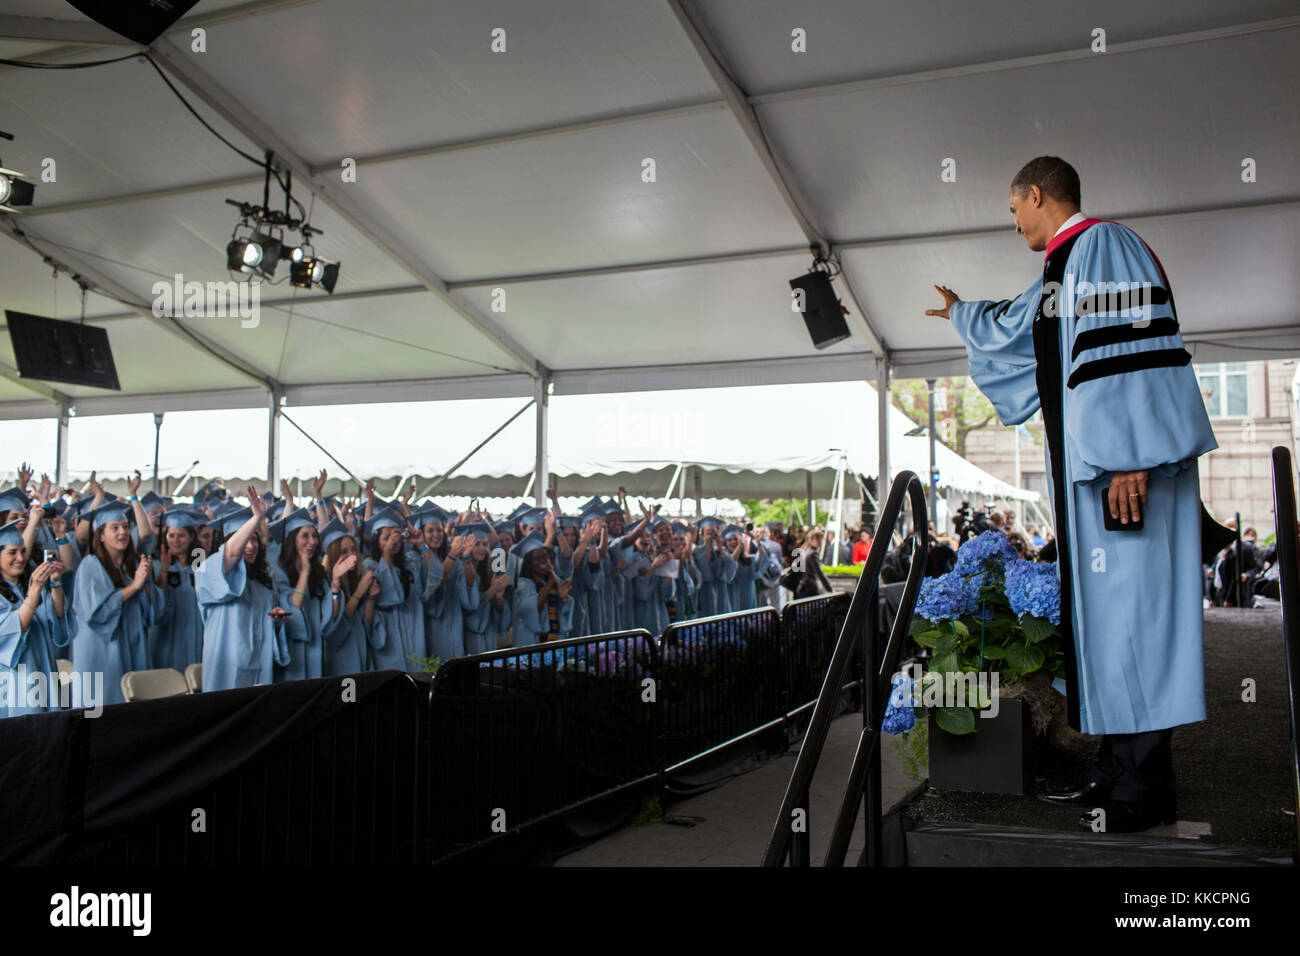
(873, 700)
(1288, 566)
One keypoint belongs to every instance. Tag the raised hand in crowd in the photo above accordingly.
(318, 485)
(25, 473)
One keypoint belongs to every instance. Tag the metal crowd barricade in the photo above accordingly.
(721, 679)
(810, 627)
(525, 735)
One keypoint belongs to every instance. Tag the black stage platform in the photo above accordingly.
(1233, 773)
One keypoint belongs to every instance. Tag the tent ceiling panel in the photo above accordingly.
(417, 335)
(111, 130)
(687, 314)
(28, 285)
(413, 73)
(1255, 248)
(1149, 132)
(579, 201)
(849, 40)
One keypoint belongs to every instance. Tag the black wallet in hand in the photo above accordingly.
(1114, 524)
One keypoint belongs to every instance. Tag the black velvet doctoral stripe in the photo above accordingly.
(1108, 302)
(1114, 334)
(1047, 355)
(1134, 362)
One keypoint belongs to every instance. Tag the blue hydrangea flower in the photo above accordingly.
(899, 716)
(946, 598)
(1032, 587)
(983, 553)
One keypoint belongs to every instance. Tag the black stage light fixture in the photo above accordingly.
(259, 252)
(306, 269)
(15, 190)
(140, 20)
(822, 312)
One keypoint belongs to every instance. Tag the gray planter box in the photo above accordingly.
(997, 758)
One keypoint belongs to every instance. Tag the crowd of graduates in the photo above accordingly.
(274, 589)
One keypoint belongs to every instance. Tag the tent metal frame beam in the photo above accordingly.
(1283, 204)
(837, 367)
(49, 30)
(333, 193)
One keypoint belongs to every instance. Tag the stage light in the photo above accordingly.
(15, 190)
(306, 270)
(260, 252)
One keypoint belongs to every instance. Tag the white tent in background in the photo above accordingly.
(788, 442)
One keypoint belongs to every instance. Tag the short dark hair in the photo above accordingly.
(1052, 175)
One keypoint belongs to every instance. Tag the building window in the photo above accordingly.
(1224, 386)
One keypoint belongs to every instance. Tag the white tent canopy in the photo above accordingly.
(522, 171)
(615, 201)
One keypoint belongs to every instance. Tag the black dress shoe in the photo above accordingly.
(1124, 816)
(1090, 794)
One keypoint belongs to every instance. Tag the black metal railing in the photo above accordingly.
(791, 831)
(810, 627)
(525, 735)
(721, 679)
(1288, 565)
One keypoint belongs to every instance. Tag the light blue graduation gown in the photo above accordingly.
(177, 638)
(242, 645)
(650, 594)
(531, 625)
(347, 638)
(717, 571)
(741, 590)
(482, 623)
(112, 635)
(401, 615)
(588, 582)
(446, 602)
(304, 628)
(29, 652)
(1128, 402)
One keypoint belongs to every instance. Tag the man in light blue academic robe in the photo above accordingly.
(1095, 344)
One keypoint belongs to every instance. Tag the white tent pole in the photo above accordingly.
(699, 499)
(61, 447)
(839, 507)
(541, 463)
(883, 470)
(528, 488)
(273, 442)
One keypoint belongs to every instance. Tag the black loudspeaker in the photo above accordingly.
(52, 350)
(821, 311)
(140, 20)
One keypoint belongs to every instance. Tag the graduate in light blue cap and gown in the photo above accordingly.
(447, 596)
(400, 605)
(742, 590)
(650, 591)
(311, 599)
(243, 630)
(717, 569)
(115, 602)
(543, 609)
(177, 638)
(348, 644)
(589, 576)
(485, 623)
(34, 626)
